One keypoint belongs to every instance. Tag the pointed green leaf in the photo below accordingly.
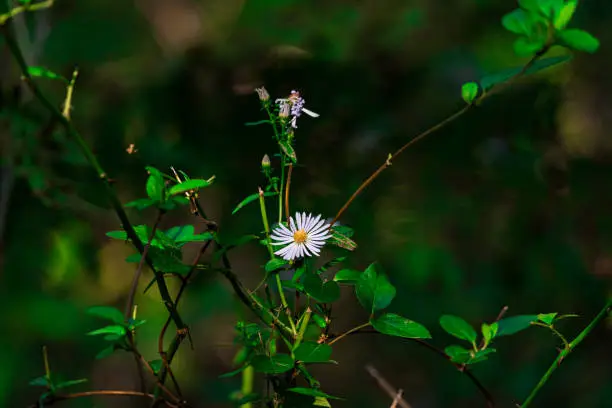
(515, 324)
(324, 292)
(565, 14)
(395, 325)
(70, 383)
(311, 352)
(578, 40)
(347, 276)
(155, 184)
(275, 264)
(106, 312)
(489, 331)
(330, 264)
(259, 122)
(518, 22)
(458, 327)
(234, 372)
(487, 82)
(42, 72)
(141, 203)
(524, 47)
(312, 392)
(250, 199)
(189, 185)
(373, 289)
(41, 381)
(105, 352)
(114, 329)
(276, 364)
(469, 91)
(547, 318)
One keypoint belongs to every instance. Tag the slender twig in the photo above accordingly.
(350, 331)
(108, 393)
(388, 388)
(22, 9)
(566, 351)
(129, 304)
(490, 401)
(13, 47)
(433, 129)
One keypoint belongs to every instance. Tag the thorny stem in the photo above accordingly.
(69, 93)
(21, 9)
(13, 46)
(565, 352)
(433, 129)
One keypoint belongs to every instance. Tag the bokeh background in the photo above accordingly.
(510, 205)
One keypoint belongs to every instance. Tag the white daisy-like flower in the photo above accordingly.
(304, 237)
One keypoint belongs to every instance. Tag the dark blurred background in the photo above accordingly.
(510, 205)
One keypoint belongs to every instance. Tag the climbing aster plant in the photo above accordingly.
(287, 335)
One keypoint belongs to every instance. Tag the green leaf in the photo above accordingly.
(330, 264)
(105, 352)
(189, 185)
(314, 286)
(41, 381)
(344, 230)
(469, 91)
(565, 14)
(319, 321)
(179, 231)
(276, 364)
(312, 352)
(530, 5)
(460, 355)
(70, 383)
(515, 324)
(42, 72)
(156, 365)
(395, 325)
(250, 199)
(487, 82)
(141, 203)
(155, 184)
(288, 150)
(275, 264)
(373, 290)
(241, 400)
(106, 312)
(259, 122)
(578, 40)
(348, 276)
(312, 392)
(489, 331)
(458, 327)
(547, 318)
(518, 22)
(234, 372)
(114, 329)
(525, 47)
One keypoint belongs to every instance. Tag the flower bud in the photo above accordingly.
(263, 94)
(265, 162)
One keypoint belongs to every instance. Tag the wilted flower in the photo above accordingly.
(263, 94)
(294, 105)
(304, 237)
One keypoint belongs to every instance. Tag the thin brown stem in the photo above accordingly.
(108, 393)
(388, 388)
(129, 304)
(433, 129)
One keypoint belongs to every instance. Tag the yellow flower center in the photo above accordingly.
(300, 236)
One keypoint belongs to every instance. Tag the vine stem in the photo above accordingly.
(434, 129)
(14, 49)
(350, 331)
(565, 352)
